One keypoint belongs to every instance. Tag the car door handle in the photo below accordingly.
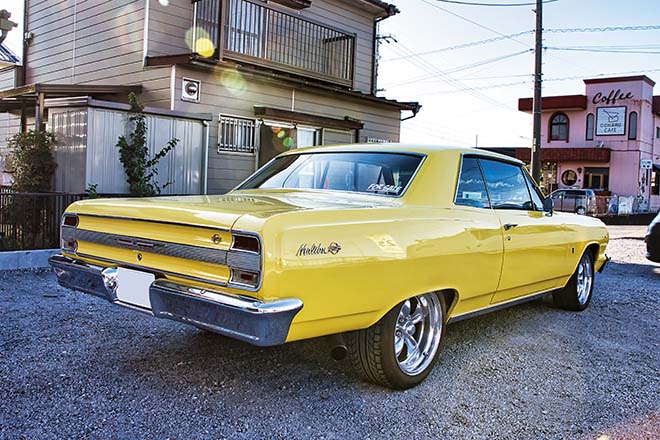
(510, 226)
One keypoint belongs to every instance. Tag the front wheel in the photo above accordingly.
(577, 293)
(580, 210)
(400, 350)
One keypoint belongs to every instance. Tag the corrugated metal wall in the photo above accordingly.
(70, 129)
(87, 140)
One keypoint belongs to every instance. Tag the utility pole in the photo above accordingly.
(536, 147)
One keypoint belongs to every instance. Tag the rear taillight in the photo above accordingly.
(244, 261)
(68, 232)
(247, 243)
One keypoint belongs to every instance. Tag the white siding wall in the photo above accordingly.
(92, 42)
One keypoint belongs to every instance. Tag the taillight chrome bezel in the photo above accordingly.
(68, 228)
(245, 258)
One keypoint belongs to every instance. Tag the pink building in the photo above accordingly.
(607, 139)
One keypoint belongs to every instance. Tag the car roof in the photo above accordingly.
(395, 147)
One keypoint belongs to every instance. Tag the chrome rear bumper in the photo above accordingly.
(256, 322)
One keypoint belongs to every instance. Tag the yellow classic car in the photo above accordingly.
(381, 246)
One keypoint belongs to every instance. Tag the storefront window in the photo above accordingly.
(597, 178)
(569, 177)
(559, 127)
(632, 126)
(590, 127)
(655, 182)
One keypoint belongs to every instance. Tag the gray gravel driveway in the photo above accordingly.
(75, 367)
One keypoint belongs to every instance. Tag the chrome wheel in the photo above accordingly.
(417, 333)
(585, 277)
(581, 210)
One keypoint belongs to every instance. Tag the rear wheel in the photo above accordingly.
(580, 210)
(577, 293)
(400, 350)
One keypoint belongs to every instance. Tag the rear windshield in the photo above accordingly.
(373, 173)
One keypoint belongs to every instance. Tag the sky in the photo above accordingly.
(487, 115)
(470, 95)
(13, 40)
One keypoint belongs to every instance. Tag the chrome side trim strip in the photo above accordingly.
(176, 250)
(503, 305)
(151, 269)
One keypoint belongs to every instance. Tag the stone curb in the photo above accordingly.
(34, 259)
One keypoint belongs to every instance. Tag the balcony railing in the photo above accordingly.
(255, 33)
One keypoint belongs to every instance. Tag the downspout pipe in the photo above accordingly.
(205, 158)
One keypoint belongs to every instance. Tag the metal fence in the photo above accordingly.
(32, 220)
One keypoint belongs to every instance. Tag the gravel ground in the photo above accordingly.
(73, 367)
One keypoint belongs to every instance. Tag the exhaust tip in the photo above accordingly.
(339, 352)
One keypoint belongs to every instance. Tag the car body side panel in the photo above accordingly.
(383, 259)
(535, 253)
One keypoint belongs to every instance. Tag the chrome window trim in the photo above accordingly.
(422, 157)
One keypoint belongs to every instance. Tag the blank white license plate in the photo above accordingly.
(133, 287)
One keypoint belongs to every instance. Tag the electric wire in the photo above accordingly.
(462, 3)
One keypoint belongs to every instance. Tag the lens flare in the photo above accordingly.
(288, 142)
(233, 81)
(204, 47)
(281, 134)
(199, 42)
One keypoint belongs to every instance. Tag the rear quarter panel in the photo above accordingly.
(386, 256)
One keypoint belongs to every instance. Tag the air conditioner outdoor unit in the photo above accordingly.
(191, 90)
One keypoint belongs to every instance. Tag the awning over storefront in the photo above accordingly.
(566, 154)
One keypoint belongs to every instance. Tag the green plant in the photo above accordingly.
(32, 161)
(91, 191)
(141, 171)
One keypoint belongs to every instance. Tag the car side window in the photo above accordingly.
(537, 198)
(471, 189)
(506, 185)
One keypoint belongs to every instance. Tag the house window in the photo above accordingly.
(559, 127)
(237, 135)
(655, 182)
(590, 127)
(632, 126)
(597, 178)
(657, 132)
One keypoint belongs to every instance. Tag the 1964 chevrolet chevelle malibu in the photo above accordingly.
(382, 244)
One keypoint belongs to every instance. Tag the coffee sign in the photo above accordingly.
(612, 97)
(610, 121)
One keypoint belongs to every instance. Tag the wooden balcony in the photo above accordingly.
(255, 33)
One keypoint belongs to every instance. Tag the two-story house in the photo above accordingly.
(236, 81)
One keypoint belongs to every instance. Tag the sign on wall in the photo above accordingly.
(610, 121)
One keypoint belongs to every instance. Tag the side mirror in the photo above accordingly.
(548, 206)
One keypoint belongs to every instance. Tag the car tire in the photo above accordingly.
(576, 296)
(580, 210)
(382, 352)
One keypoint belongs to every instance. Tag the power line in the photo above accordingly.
(520, 34)
(604, 29)
(473, 22)
(577, 49)
(428, 67)
(465, 45)
(492, 4)
(460, 68)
